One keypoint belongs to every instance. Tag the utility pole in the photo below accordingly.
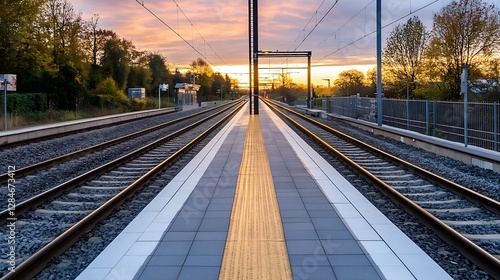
(255, 10)
(379, 62)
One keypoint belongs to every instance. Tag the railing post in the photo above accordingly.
(427, 117)
(495, 124)
(434, 112)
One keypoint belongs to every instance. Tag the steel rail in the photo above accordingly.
(471, 195)
(48, 163)
(57, 190)
(470, 250)
(37, 262)
(42, 138)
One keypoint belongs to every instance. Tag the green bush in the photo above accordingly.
(107, 94)
(25, 103)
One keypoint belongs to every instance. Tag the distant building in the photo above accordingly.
(136, 93)
(186, 94)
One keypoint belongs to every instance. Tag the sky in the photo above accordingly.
(217, 30)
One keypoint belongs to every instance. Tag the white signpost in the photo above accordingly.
(8, 82)
(162, 87)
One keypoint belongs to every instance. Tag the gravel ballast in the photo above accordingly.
(71, 263)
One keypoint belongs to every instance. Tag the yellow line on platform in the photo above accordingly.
(255, 247)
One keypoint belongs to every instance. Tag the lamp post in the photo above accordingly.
(328, 80)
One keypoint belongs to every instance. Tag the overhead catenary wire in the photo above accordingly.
(345, 23)
(373, 32)
(203, 38)
(175, 32)
(317, 24)
(304, 29)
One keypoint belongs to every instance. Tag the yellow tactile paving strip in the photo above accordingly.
(255, 246)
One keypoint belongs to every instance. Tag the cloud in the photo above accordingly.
(223, 25)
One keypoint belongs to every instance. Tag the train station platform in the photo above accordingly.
(259, 203)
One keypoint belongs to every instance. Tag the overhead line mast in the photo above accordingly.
(253, 33)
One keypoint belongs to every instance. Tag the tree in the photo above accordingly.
(349, 82)
(64, 28)
(465, 32)
(108, 94)
(403, 54)
(115, 62)
(158, 69)
(204, 73)
(21, 47)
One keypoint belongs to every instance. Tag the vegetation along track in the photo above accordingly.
(74, 207)
(463, 218)
(76, 154)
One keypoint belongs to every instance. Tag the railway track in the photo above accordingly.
(46, 173)
(26, 170)
(465, 219)
(38, 137)
(75, 206)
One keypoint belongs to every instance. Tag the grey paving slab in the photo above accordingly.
(334, 234)
(172, 248)
(318, 243)
(179, 236)
(211, 235)
(156, 272)
(308, 260)
(315, 235)
(167, 260)
(199, 272)
(313, 272)
(207, 248)
(203, 261)
(192, 246)
(356, 272)
(214, 224)
(218, 214)
(301, 235)
(295, 220)
(301, 247)
(294, 214)
(348, 260)
(182, 224)
(341, 247)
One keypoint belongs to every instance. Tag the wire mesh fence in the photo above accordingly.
(477, 126)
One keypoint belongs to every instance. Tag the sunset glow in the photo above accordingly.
(341, 41)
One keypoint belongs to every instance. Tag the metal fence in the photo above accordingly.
(446, 120)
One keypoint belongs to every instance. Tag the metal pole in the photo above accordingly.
(495, 124)
(434, 119)
(159, 100)
(464, 91)
(379, 62)
(309, 93)
(5, 105)
(250, 55)
(427, 117)
(407, 106)
(256, 55)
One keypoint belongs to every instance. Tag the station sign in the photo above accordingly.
(11, 82)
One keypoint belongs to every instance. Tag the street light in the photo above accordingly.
(328, 80)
